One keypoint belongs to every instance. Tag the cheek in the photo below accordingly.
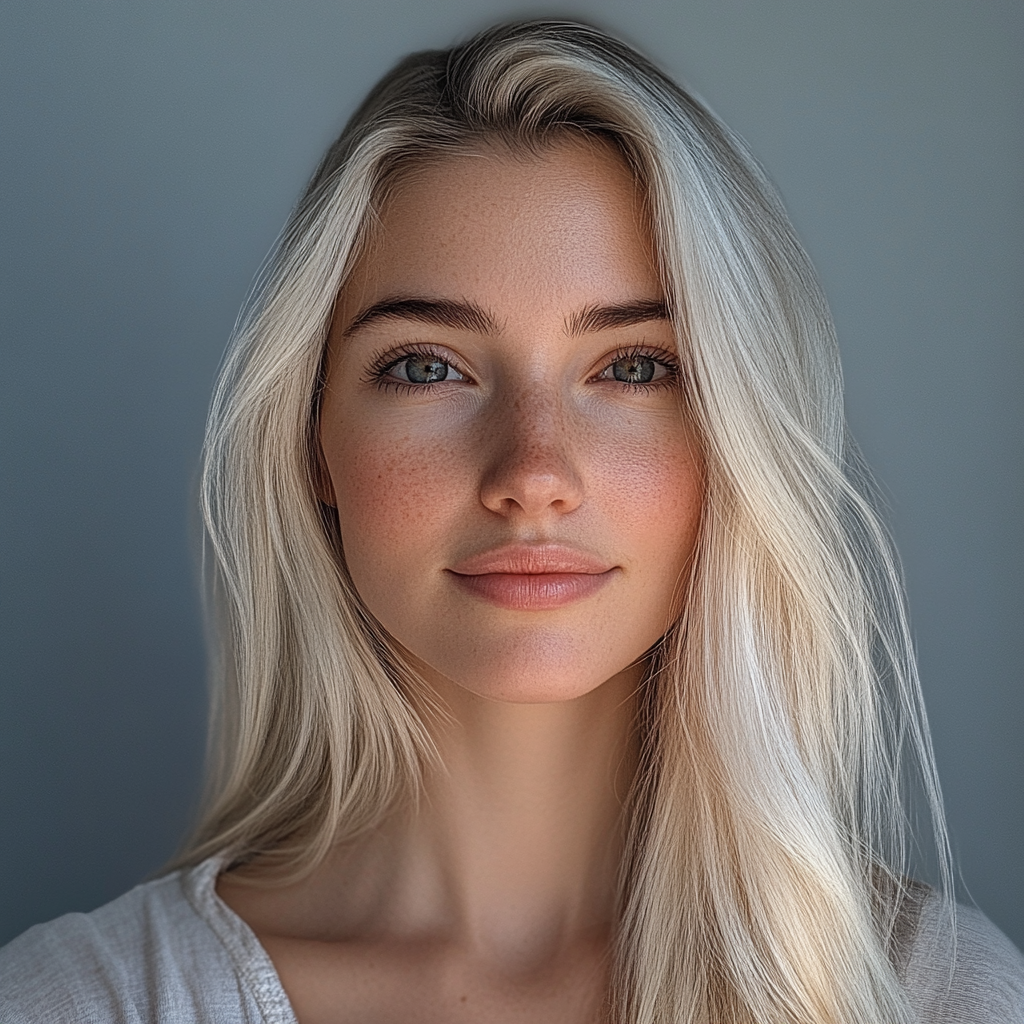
(394, 492)
(650, 483)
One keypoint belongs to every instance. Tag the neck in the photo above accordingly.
(512, 850)
(520, 828)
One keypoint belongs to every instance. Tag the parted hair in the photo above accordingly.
(784, 744)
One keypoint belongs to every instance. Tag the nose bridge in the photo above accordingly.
(532, 467)
(536, 420)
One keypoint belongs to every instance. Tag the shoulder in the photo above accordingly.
(970, 973)
(152, 955)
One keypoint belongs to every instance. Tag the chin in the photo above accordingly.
(529, 667)
(526, 680)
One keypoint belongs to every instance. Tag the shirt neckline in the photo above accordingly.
(252, 963)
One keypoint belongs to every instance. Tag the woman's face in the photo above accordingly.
(517, 491)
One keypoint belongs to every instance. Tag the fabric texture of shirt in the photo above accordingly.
(172, 952)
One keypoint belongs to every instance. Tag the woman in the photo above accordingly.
(564, 672)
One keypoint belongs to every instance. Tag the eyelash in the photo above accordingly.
(377, 372)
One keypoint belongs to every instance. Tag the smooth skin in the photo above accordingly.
(502, 392)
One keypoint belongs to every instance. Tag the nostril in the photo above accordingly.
(532, 486)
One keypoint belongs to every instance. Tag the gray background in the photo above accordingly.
(150, 153)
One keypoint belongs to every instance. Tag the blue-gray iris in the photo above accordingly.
(425, 369)
(633, 369)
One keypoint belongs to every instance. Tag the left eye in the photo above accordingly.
(635, 369)
(424, 369)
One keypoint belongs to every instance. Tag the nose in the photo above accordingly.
(532, 473)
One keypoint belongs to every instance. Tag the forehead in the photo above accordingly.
(557, 223)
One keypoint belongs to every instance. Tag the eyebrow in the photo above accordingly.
(468, 316)
(622, 314)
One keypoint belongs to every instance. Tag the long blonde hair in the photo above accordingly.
(782, 725)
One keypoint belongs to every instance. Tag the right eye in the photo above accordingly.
(413, 369)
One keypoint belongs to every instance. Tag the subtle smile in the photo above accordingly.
(532, 577)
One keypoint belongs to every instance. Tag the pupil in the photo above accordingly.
(633, 369)
(425, 369)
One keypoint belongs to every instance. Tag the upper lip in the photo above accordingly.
(532, 560)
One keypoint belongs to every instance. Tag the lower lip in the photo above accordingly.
(534, 592)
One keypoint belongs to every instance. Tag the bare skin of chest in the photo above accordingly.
(433, 983)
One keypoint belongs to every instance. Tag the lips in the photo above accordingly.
(525, 577)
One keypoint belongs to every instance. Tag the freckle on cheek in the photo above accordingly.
(388, 496)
